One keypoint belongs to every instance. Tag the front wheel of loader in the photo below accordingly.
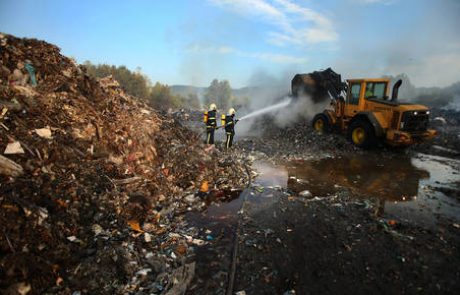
(362, 134)
(321, 124)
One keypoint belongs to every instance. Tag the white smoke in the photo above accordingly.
(454, 104)
(267, 90)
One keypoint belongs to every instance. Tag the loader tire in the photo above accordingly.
(321, 124)
(362, 134)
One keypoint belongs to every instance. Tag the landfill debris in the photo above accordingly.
(21, 288)
(97, 229)
(392, 222)
(305, 194)
(74, 239)
(259, 189)
(134, 225)
(44, 132)
(13, 148)
(9, 167)
(190, 198)
(393, 232)
(198, 242)
(89, 169)
(143, 272)
(181, 279)
(204, 188)
(147, 237)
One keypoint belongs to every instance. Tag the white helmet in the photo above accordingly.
(212, 107)
(231, 111)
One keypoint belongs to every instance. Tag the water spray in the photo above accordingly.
(267, 109)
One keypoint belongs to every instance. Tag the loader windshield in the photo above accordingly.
(376, 90)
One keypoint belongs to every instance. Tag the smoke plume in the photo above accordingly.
(264, 91)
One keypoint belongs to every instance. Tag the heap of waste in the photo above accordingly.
(91, 180)
(297, 140)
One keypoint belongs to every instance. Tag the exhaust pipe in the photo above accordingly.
(394, 94)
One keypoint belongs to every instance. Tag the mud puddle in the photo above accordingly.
(418, 189)
(218, 226)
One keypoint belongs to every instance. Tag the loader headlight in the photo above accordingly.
(427, 112)
(415, 113)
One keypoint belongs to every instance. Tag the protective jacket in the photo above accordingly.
(210, 119)
(229, 123)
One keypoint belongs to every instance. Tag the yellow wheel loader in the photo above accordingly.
(363, 109)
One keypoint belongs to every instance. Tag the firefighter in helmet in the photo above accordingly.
(210, 120)
(229, 122)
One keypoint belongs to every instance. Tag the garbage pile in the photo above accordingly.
(447, 122)
(91, 179)
(297, 140)
(447, 141)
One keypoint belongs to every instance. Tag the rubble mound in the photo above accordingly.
(296, 140)
(79, 160)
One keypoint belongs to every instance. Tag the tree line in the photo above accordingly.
(135, 83)
(160, 96)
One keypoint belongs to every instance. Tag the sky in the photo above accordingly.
(191, 42)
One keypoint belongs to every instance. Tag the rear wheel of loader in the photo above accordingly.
(362, 134)
(320, 123)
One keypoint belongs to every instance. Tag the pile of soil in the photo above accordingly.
(85, 169)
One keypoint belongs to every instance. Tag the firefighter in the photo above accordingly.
(229, 122)
(210, 120)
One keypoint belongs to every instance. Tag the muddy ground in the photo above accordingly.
(322, 217)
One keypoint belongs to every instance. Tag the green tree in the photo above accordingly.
(160, 96)
(212, 92)
(219, 93)
(134, 83)
(137, 84)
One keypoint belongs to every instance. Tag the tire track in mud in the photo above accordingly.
(237, 238)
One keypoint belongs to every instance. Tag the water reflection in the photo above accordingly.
(399, 184)
(393, 179)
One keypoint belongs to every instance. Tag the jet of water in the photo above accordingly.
(267, 109)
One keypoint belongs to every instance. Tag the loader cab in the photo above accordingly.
(360, 90)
